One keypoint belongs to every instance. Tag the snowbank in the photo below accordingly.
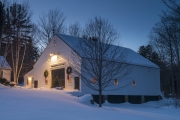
(2, 86)
(39, 104)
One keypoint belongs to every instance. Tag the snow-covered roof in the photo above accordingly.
(5, 65)
(134, 57)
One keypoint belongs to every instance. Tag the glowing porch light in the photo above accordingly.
(54, 58)
(29, 78)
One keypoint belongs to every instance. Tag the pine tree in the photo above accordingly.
(17, 31)
(1, 22)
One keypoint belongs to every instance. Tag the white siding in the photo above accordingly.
(147, 83)
(45, 63)
(30, 83)
(7, 75)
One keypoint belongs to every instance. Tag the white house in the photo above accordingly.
(54, 60)
(5, 69)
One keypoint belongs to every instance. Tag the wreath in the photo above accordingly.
(69, 70)
(45, 73)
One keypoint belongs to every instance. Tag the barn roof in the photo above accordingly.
(6, 65)
(135, 58)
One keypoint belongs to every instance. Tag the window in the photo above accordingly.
(134, 83)
(116, 82)
(93, 80)
(54, 43)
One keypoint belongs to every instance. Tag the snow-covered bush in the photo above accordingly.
(4, 81)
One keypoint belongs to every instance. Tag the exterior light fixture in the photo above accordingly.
(54, 58)
(116, 82)
(51, 54)
(29, 78)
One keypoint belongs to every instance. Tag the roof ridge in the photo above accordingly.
(136, 59)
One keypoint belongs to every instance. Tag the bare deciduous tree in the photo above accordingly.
(51, 23)
(37, 40)
(165, 37)
(75, 29)
(101, 64)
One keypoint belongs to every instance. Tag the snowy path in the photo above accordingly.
(31, 104)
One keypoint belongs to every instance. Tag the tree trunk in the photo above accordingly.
(173, 90)
(100, 98)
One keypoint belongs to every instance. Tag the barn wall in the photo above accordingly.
(147, 83)
(45, 63)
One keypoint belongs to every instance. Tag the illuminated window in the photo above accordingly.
(116, 82)
(134, 83)
(93, 80)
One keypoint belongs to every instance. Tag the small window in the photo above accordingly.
(93, 80)
(116, 82)
(54, 43)
(134, 83)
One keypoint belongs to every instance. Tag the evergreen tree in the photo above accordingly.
(1, 22)
(17, 32)
(147, 52)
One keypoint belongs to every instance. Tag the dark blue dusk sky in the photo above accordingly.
(132, 18)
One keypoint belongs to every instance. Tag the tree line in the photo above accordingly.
(164, 49)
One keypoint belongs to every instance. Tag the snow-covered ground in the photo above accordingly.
(40, 104)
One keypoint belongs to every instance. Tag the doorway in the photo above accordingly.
(76, 81)
(35, 84)
(58, 78)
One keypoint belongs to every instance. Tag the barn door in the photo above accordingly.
(35, 84)
(1, 74)
(76, 81)
(58, 78)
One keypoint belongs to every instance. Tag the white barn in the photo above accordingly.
(5, 69)
(54, 60)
